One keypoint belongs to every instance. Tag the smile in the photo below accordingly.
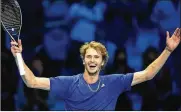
(92, 66)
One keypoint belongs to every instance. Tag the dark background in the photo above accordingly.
(134, 32)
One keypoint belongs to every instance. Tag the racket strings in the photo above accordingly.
(10, 21)
(10, 24)
(11, 8)
(11, 15)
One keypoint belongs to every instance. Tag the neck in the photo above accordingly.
(90, 79)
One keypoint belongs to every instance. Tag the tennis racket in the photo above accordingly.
(11, 19)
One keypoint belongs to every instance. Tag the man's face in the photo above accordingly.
(93, 61)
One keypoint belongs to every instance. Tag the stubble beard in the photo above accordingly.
(92, 74)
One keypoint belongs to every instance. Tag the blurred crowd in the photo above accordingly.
(133, 31)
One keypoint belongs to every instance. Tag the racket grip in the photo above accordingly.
(19, 62)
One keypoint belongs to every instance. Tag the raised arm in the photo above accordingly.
(29, 78)
(155, 66)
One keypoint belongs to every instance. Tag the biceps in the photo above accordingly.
(139, 77)
(42, 83)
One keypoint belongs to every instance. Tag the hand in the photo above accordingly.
(173, 41)
(16, 47)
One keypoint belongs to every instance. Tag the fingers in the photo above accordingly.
(177, 32)
(19, 42)
(179, 37)
(168, 35)
(14, 43)
(15, 49)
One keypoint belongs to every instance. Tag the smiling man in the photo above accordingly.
(89, 90)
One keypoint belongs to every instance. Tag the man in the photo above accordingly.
(89, 90)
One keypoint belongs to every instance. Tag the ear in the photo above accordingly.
(82, 59)
(83, 62)
(102, 63)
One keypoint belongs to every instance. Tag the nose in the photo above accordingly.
(92, 59)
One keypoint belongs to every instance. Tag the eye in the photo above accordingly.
(88, 56)
(96, 56)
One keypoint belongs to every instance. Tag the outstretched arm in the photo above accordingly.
(29, 78)
(155, 66)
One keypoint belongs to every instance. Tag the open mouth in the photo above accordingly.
(92, 66)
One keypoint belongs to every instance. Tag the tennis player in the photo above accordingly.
(89, 90)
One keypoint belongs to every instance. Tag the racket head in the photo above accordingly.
(11, 18)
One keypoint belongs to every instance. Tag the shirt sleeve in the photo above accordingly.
(59, 86)
(127, 80)
(122, 81)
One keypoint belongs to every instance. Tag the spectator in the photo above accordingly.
(87, 15)
(165, 12)
(9, 82)
(120, 62)
(120, 66)
(149, 87)
(34, 100)
(55, 50)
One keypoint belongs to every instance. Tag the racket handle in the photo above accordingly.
(19, 62)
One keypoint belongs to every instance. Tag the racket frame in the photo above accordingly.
(18, 57)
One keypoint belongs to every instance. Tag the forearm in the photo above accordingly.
(156, 65)
(29, 77)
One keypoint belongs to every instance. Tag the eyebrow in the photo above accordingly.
(92, 55)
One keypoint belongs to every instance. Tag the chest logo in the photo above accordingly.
(102, 85)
